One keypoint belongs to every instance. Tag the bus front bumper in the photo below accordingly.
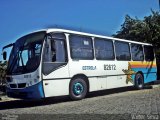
(31, 92)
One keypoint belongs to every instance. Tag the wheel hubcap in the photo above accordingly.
(77, 88)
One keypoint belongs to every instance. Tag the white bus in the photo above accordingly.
(57, 62)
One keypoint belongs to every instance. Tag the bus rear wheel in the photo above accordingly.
(78, 89)
(139, 81)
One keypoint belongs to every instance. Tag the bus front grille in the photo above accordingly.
(21, 85)
(13, 85)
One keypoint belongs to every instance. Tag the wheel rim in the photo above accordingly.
(78, 88)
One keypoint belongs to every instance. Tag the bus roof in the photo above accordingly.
(88, 34)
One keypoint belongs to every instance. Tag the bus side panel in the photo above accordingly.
(56, 87)
(148, 69)
(118, 77)
(93, 70)
(57, 82)
(149, 77)
(94, 85)
(102, 74)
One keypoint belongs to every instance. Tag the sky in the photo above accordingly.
(105, 17)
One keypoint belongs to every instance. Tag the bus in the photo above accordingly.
(59, 62)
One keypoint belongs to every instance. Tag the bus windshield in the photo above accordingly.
(26, 53)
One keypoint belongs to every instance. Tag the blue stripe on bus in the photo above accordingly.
(149, 74)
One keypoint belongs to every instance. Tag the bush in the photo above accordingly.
(3, 68)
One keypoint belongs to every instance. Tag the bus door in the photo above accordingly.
(55, 67)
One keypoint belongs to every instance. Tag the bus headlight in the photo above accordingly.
(27, 85)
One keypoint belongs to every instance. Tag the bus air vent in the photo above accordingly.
(22, 85)
(13, 85)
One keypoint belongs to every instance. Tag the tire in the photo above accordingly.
(139, 81)
(77, 89)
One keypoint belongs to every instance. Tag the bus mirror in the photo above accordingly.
(4, 55)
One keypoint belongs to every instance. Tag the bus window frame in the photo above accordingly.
(62, 64)
(132, 53)
(116, 51)
(148, 60)
(92, 45)
(113, 49)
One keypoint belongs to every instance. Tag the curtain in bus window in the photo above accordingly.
(60, 51)
(122, 51)
(137, 52)
(104, 49)
(81, 47)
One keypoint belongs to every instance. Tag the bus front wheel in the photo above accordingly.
(139, 81)
(77, 89)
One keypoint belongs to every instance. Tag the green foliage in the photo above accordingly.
(3, 67)
(146, 30)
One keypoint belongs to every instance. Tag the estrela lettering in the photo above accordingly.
(88, 67)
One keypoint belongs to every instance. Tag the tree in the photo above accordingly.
(3, 67)
(146, 30)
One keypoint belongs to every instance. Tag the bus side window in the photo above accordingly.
(149, 53)
(122, 51)
(137, 52)
(55, 50)
(81, 47)
(58, 51)
(104, 49)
